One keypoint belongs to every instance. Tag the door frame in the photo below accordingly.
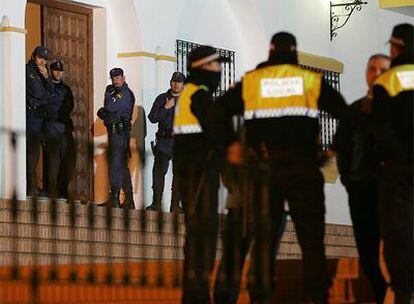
(88, 11)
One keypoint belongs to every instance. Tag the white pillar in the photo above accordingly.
(12, 97)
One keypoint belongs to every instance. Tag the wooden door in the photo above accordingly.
(67, 32)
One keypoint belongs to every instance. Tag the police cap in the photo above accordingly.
(116, 72)
(204, 54)
(177, 77)
(57, 66)
(41, 51)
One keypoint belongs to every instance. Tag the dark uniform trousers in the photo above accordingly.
(67, 167)
(159, 170)
(300, 182)
(119, 176)
(33, 144)
(396, 225)
(237, 239)
(363, 204)
(56, 151)
(198, 186)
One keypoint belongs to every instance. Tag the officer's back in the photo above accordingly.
(281, 104)
(394, 101)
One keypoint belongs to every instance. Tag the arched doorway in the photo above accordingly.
(66, 30)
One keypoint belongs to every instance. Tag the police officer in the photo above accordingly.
(162, 112)
(58, 110)
(117, 114)
(358, 167)
(38, 89)
(196, 164)
(393, 109)
(280, 103)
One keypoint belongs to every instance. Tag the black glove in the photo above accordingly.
(38, 111)
(102, 113)
(112, 90)
(126, 123)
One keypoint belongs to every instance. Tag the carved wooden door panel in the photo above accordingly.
(67, 35)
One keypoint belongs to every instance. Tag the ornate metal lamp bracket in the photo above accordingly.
(340, 14)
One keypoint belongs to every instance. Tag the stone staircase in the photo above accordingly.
(81, 242)
(62, 239)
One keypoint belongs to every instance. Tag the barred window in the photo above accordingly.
(327, 122)
(228, 74)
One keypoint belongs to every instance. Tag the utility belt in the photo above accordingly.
(267, 152)
(122, 126)
(165, 134)
(38, 111)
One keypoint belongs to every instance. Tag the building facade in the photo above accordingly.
(140, 37)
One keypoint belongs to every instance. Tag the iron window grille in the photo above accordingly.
(328, 124)
(228, 74)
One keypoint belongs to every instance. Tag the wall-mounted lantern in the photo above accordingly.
(340, 14)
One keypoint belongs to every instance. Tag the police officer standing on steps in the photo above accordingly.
(59, 107)
(162, 112)
(117, 114)
(196, 164)
(39, 88)
(393, 110)
(280, 103)
(359, 168)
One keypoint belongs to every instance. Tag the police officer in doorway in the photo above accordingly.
(393, 110)
(116, 115)
(196, 163)
(39, 88)
(280, 102)
(162, 112)
(59, 108)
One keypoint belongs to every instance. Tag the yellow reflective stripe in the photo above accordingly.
(282, 90)
(397, 79)
(185, 121)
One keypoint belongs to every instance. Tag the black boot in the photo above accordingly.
(175, 201)
(114, 198)
(156, 203)
(129, 200)
(176, 208)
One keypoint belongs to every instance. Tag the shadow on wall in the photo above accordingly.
(137, 147)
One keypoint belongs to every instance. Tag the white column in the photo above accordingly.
(12, 77)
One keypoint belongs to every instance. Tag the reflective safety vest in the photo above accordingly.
(397, 79)
(184, 120)
(280, 91)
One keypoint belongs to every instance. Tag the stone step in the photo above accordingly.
(45, 239)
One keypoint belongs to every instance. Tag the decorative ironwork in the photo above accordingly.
(340, 14)
(228, 75)
(328, 124)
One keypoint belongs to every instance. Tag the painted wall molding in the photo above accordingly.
(13, 29)
(395, 3)
(321, 62)
(147, 55)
